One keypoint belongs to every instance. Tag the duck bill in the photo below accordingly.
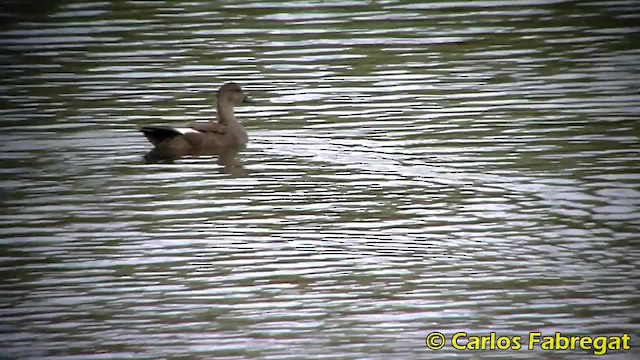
(249, 100)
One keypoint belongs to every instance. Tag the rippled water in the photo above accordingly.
(413, 167)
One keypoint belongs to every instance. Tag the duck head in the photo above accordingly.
(233, 94)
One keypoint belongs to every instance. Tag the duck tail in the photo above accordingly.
(158, 133)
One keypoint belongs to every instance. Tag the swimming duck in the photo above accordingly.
(202, 137)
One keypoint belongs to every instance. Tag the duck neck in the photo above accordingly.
(226, 117)
(225, 113)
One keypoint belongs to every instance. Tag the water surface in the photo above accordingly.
(413, 167)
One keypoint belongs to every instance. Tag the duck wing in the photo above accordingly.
(193, 132)
(209, 127)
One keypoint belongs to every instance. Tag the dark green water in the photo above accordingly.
(412, 167)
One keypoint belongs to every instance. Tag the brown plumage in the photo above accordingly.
(175, 141)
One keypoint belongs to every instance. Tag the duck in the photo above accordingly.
(210, 136)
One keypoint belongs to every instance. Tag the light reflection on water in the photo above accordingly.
(413, 167)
